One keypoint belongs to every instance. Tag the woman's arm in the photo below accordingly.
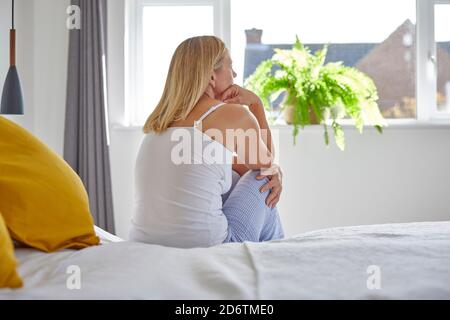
(239, 95)
(238, 167)
(243, 136)
(257, 109)
(247, 121)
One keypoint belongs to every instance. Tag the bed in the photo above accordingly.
(390, 261)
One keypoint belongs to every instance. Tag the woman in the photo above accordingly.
(191, 197)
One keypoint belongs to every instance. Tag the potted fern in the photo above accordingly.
(316, 93)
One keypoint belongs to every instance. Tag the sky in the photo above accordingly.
(322, 20)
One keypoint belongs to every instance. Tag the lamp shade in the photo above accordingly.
(12, 100)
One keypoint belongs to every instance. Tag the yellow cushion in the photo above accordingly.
(8, 274)
(43, 201)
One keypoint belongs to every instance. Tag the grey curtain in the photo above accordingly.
(86, 146)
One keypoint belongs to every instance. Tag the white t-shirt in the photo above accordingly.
(180, 176)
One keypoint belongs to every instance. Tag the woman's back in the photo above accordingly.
(180, 176)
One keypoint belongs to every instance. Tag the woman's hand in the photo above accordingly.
(239, 95)
(275, 186)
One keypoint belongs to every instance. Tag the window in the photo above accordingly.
(159, 43)
(155, 30)
(403, 45)
(442, 37)
(376, 37)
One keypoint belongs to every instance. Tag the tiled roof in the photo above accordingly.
(445, 46)
(348, 53)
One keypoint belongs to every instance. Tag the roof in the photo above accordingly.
(348, 53)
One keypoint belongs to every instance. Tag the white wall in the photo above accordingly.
(116, 60)
(400, 176)
(123, 151)
(51, 38)
(42, 44)
(121, 141)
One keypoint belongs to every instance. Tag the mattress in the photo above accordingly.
(389, 261)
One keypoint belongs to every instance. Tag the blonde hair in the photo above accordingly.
(190, 70)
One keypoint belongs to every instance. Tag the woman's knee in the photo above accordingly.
(248, 187)
(250, 177)
(249, 182)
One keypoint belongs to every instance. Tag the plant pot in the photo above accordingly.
(288, 112)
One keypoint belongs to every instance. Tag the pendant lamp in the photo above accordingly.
(12, 101)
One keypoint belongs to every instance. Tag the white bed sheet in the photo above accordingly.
(413, 260)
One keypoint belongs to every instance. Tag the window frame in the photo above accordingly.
(426, 86)
(134, 43)
(437, 114)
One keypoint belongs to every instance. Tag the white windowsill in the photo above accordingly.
(346, 123)
(392, 123)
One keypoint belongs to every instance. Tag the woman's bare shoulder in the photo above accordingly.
(234, 107)
(237, 115)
